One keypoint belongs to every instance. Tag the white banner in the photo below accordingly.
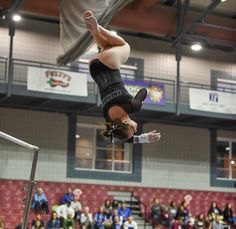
(212, 101)
(57, 81)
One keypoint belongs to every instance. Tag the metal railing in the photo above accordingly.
(31, 183)
(142, 205)
(20, 68)
(3, 69)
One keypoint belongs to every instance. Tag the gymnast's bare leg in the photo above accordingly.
(114, 49)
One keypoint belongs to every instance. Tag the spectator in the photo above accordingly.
(172, 210)
(183, 212)
(156, 212)
(115, 205)
(86, 219)
(164, 217)
(76, 205)
(67, 197)
(63, 210)
(124, 211)
(37, 225)
(176, 224)
(115, 214)
(199, 221)
(228, 214)
(69, 222)
(207, 223)
(117, 224)
(53, 222)
(40, 202)
(37, 218)
(107, 208)
(1, 223)
(214, 211)
(130, 223)
(108, 223)
(217, 224)
(190, 224)
(100, 219)
(19, 226)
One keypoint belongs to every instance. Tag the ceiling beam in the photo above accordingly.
(169, 2)
(200, 18)
(42, 8)
(160, 21)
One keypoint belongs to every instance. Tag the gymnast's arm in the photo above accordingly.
(150, 137)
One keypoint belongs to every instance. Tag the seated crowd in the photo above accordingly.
(115, 215)
(111, 215)
(177, 216)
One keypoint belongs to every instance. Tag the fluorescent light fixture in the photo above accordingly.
(227, 148)
(232, 162)
(196, 47)
(16, 17)
(223, 0)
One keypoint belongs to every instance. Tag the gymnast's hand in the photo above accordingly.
(150, 137)
(153, 136)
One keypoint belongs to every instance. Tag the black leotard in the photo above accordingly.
(113, 91)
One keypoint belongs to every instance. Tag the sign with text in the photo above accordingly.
(156, 91)
(57, 81)
(212, 101)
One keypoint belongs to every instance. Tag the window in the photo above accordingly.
(93, 152)
(226, 159)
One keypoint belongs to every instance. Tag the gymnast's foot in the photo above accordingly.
(91, 22)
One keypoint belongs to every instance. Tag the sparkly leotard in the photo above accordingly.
(113, 91)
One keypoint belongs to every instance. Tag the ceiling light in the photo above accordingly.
(196, 47)
(232, 162)
(223, 0)
(16, 17)
(77, 136)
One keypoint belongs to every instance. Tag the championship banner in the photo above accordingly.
(57, 81)
(212, 101)
(156, 91)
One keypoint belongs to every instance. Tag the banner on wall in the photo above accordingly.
(212, 101)
(156, 91)
(57, 81)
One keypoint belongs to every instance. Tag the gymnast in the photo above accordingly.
(117, 103)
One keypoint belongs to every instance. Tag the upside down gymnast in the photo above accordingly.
(117, 103)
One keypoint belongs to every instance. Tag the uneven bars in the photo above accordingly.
(32, 173)
(18, 141)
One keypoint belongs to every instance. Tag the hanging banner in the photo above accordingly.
(57, 81)
(212, 101)
(156, 91)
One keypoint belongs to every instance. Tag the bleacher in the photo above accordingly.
(11, 207)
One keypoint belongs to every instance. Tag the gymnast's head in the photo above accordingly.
(120, 130)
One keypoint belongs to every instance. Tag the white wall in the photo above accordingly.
(39, 41)
(180, 160)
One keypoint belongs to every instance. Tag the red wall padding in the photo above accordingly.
(94, 196)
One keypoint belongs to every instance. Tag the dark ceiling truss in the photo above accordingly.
(169, 2)
(194, 24)
(225, 28)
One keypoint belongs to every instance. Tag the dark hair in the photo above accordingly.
(116, 129)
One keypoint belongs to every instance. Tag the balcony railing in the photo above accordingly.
(20, 68)
(3, 69)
